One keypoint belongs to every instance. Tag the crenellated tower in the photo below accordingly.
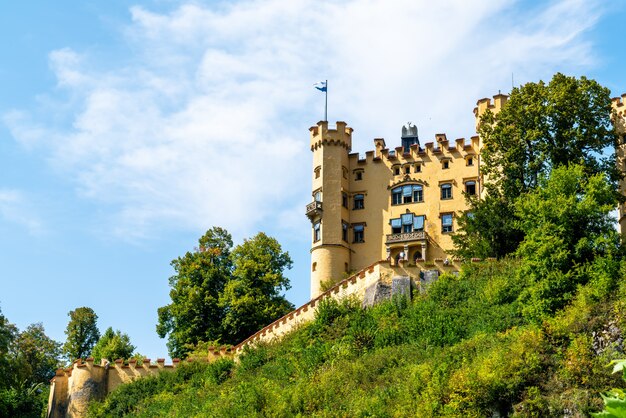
(328, 212)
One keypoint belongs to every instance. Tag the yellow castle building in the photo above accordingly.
(396, 204)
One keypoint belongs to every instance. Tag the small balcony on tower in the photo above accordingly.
(314, 210)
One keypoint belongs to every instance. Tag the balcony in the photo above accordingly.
(314, 210)
(406, 237)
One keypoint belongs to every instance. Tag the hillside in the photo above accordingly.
(463, 349)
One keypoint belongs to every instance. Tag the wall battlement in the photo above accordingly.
(73, 388)
(440, 148)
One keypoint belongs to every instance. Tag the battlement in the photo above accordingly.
(71, 389)
(619, 107)
(441, 147)
(353, 285)
(322, 134)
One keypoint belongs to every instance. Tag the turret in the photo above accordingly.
(328, 211)
(499, 100)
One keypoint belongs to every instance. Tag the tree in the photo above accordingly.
(195, 313)
(253, 299)
(27, 361)
(542, 126)
(8, 333)
(36, 356)
(222, 296)
(112, 345)
(568, 226)
(82, 333)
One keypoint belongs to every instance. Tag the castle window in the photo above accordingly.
(317, 171)
(446, 191)
(317, 196)
(317, 233)
(407, 169)
(344, 231)
(418, 223)
(359, 201)
(407, 222)
(469, 161)
(344, 200)
(446, 222)
(396, 170)
(359, 233)
(470, 188)
(418, 168)
(344, 172)
(314, 266)
(445, 165)
(407, 194)
(358, 175)
(396, 226)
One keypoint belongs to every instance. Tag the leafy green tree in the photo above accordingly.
(195, 313)
(252, 298)
(36, 356)
(224, 295)
(27, 361)
(8, 333)
(542, 126)
(112, 345)
(568, 225)
(82, 333)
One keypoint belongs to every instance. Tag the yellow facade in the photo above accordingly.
(398, 204)
(355, 213)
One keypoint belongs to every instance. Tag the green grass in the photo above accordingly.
(462, 349)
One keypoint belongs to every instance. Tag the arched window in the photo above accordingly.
(407, 194)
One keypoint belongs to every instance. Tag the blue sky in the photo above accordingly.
(127, 129)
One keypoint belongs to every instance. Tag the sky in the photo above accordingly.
(127, 129)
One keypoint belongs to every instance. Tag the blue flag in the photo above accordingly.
(321, 86)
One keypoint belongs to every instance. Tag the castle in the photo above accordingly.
(395, 204)
(388, 216)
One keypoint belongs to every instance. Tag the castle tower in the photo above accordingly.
(328, 212)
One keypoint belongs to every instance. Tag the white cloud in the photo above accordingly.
(207, 122)
(15, 208)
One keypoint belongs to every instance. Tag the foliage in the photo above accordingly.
(542, 127)
(27, 361)
(35, 355)
(195, 314)
(567, 225)
(82, 333)
(252, 298)
(615, 399)
(222, 294)
(112, 345)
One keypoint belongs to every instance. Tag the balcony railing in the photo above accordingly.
(314, 210)
(406, 237)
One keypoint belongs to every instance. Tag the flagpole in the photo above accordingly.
(326, 104)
